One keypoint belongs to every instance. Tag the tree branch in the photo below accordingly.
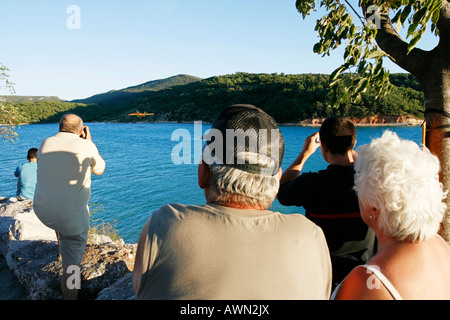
(360, 18)
(443, 24)
(390, 42)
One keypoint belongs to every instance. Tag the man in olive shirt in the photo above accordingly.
(233, 247)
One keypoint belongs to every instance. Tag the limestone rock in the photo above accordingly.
(19, 226)
(37, 268)
(371, 121)
(31, 250)
(122, 289)
(103, 265)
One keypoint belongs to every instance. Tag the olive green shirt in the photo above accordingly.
(216, 252)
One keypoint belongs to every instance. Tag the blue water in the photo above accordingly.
(140, 175)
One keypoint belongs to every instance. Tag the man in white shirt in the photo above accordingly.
(63, 190)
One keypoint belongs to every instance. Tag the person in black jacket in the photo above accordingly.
(328, 196)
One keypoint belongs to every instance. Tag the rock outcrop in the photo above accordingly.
(31, 252)
(373, 120)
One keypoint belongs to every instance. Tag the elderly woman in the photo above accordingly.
(400, 197)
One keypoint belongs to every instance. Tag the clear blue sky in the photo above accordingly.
(125, 43)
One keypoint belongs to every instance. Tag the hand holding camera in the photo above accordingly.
(311, 144)
(85, 133)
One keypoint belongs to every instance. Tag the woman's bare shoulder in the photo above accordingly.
(362, 284)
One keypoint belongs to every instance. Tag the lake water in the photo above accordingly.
(140, 175)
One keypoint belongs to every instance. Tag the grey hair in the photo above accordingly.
(231, 185)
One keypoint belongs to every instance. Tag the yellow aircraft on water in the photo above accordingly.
(141, 114)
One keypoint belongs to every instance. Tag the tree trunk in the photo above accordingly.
(434, 76)
(432, 69)
(436, 88)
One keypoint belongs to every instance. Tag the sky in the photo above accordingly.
(74, 49)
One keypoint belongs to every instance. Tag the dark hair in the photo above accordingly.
(32, 153)
(338, 134)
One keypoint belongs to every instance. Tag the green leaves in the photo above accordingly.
(305, 7)
(363, 59)
(424, 12)
(10, 118)
(333, 28)
(4, 79)
(415, 39)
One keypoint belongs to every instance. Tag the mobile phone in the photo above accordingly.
(84, 134)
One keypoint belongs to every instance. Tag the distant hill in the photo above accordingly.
(156, 85)
(126, 93)
(17, 99)
(288, 98)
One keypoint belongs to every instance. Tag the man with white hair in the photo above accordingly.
(63, 190)
(233, 247)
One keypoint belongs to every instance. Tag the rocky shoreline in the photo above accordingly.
(377, 120)
(31, 268)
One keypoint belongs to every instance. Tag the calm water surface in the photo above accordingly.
(140, 176)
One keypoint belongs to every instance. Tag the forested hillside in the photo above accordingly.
(124, 94)
(288, 98)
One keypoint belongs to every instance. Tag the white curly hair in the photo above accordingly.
(402, 181)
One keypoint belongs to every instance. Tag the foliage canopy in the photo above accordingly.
(363, 58)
